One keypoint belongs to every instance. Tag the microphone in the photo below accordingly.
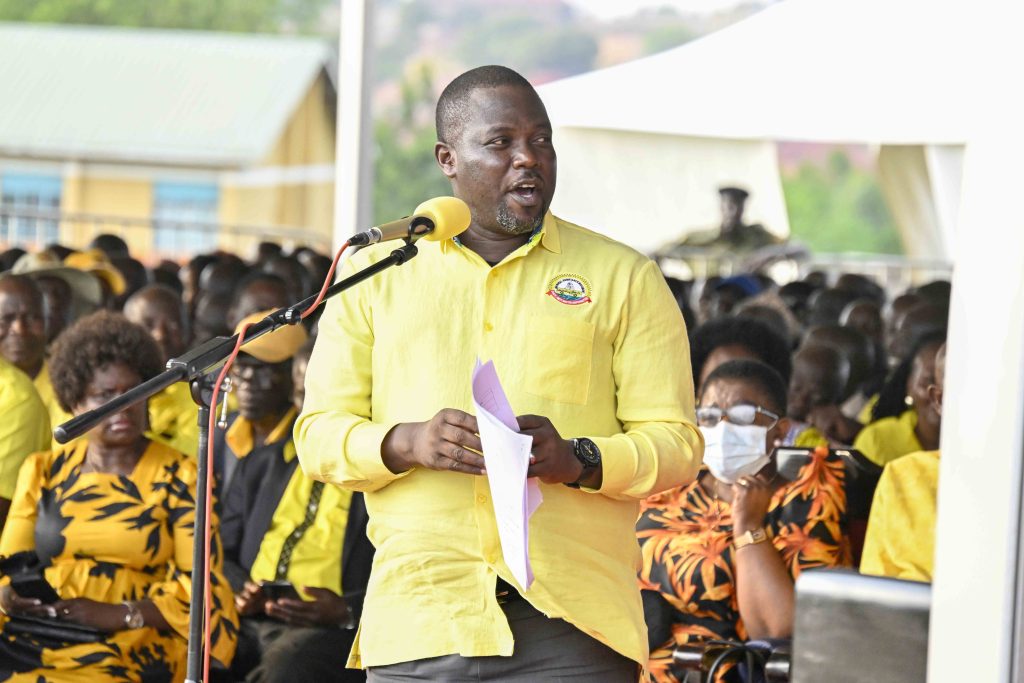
(435, 220)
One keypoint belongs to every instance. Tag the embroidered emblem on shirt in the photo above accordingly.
(570, 289)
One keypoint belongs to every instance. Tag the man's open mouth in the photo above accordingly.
(526, 192)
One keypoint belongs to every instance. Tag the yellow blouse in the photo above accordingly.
(113, 538)
(889, 438)
(901, 531)
(174, 418)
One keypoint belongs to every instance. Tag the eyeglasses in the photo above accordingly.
(740, 414)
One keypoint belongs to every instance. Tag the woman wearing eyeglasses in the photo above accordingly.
(720, 555)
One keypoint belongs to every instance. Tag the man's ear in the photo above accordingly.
(445, 157)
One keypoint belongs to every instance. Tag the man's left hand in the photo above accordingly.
(553, 459)
(327, 608)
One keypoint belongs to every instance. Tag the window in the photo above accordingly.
(177, 208)
(24, 197)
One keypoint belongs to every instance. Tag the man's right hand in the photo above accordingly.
(251, 600)
(445, 442)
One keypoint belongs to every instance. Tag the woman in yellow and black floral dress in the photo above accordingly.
(720, 555)
(110, 518)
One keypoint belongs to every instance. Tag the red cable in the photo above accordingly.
(207, 531)
(327, 282)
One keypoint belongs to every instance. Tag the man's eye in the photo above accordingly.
(499, 141)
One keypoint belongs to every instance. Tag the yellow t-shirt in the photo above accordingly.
(25, 428)
(582, 330)
(900, 540)
(888, 438)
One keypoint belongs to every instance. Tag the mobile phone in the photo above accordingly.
(34, 586)
(275, 590)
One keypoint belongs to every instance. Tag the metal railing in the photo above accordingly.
(149, 238)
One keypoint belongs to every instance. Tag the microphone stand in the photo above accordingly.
(195, 367)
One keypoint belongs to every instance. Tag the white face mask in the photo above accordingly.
(732, 451)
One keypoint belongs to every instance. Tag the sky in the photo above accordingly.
(611, 9)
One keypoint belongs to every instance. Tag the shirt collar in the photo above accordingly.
(239, 435)
(546, 234)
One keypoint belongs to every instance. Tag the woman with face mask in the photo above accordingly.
(720, 555)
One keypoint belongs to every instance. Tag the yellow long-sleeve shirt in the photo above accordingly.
(582, 330)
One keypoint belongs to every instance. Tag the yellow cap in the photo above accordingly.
(276, 346)
(96, 262)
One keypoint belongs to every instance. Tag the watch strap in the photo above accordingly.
(752, 537)
(587, 466)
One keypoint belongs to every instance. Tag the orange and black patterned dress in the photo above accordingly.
(686, 541)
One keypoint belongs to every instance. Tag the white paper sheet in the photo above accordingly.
(507, 458)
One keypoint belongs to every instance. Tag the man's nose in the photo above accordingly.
(524, 157)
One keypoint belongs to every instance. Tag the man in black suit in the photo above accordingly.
(295, 550)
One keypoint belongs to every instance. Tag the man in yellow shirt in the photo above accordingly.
(901, 531)
(23, 338)
(592, 352)
(173, 415)
(25, 428)
(279, 526)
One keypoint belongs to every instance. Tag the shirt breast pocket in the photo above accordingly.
(560, 358)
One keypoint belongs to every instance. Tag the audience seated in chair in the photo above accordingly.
(697, 585)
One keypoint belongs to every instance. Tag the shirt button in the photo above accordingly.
(492, 558)
(488, 327)
(481, 498)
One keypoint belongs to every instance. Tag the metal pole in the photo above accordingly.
(194, 668)
(353, 189)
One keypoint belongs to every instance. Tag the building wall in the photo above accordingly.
(289, 194)
(293, 187)
(108, 196)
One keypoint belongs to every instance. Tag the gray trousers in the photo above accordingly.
(545, 650)
(270, 651)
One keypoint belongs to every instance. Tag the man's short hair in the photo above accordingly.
(453, 105)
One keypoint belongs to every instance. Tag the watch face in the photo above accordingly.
(588, 452)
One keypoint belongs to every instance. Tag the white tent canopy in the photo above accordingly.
(643, 145)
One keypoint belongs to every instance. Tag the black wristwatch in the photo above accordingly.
(587, 452)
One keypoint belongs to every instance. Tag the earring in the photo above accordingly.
(909, 400)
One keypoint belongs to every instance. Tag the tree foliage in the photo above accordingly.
(839, 208)
(252, 16)
(405, 172)
(527, 45)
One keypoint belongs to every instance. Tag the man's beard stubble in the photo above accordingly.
(511, 225)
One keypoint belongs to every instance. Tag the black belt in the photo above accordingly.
(505, 592)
